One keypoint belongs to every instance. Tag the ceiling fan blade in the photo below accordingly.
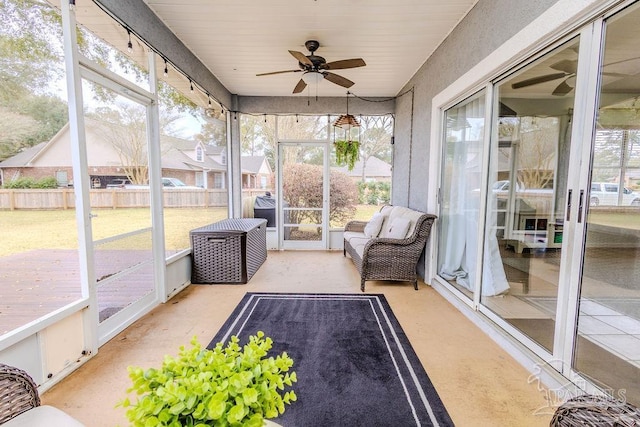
(538, 80)
(567, 65)
(629, 67)
(301, 58)
(339, 80)
(562, 89)
(300, 86)
(345, 63)
(278, 72)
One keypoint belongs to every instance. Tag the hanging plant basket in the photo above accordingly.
(347, 153)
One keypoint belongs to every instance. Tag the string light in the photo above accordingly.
(209, 98)
(72, 4)
(129, 44)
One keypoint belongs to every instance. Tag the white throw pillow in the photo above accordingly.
(372, 229)
(398, 228)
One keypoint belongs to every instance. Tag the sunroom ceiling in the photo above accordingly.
(237, 39)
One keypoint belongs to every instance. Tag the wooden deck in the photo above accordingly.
(35, 283)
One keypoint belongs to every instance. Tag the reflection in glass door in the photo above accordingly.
(303, 195)
(607, 349)
(528, 170)
(117, 156)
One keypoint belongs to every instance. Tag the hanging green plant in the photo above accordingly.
(347, 153)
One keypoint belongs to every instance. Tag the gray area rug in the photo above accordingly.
(354, 364)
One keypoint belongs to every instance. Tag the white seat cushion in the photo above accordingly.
(348, 235)
(43, 416)
(358, 243)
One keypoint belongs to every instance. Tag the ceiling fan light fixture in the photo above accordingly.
(312, 77)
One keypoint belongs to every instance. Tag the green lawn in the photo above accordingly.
(365, 212)
(26, 230)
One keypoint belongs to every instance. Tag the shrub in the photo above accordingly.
(26, 182)
(49, 182)
(226, 386)
(303, 188)
(374, 193)
(20, 183)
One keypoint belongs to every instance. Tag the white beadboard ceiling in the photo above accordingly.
(237, 39)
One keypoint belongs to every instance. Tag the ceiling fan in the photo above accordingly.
(567, 71)
(316, 67)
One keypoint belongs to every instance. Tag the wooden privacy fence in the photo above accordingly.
(64, 198)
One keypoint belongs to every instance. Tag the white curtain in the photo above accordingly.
(461, 204)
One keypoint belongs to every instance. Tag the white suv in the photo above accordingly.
(606, 194)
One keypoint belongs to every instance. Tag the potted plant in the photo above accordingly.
(226, 386)
(347, 152)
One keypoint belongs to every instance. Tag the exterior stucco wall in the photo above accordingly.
(485, 28)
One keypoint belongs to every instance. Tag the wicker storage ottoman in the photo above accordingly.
(229, 251)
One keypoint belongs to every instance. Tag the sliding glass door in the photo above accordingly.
(528, 166)
(539, 220)
(607, 348)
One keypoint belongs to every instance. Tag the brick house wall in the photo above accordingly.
(10, 174)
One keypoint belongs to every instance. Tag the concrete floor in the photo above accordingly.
(479, 383)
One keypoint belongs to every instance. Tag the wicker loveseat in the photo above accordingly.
(391, 250)
(20, 403)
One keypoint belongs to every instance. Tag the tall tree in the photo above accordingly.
(31, 62)
(124, 128)
(375, 139)
(258, 137)
(30, 49)
(213, 132)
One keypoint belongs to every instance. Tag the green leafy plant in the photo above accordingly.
(227, 386)
(29, 183)
(347, 153)
(373, 193)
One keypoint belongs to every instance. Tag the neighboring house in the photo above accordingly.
(256, 172)
(374, 170)
(192, 162)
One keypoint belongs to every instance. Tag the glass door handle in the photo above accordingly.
(580, 206)
(569, 204)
